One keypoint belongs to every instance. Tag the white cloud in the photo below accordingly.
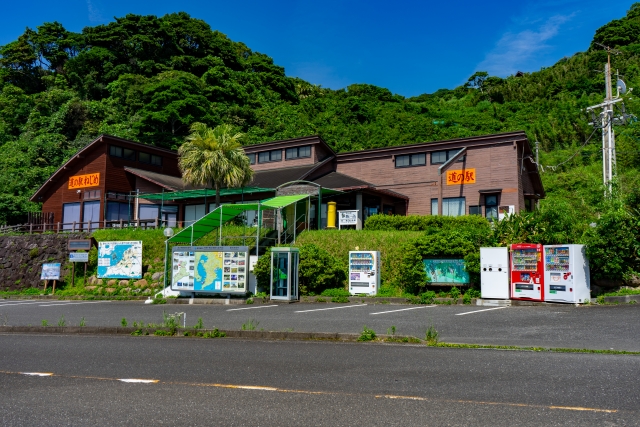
(95, 12)
(514, 51)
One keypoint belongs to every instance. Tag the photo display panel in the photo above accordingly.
(214, 269)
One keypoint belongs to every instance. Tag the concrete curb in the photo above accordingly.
(622, 299)
(268, 335)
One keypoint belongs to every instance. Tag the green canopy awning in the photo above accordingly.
(199, 194)
(224, 213)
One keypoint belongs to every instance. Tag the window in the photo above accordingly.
(475, 210)
(252, 158)
(270, 156)
(124, 153)
(148, 212)
(70, 215)
(151, 159)
(434, 206)
(491, 206)
(91, 214)
(192, 213)
(117, 211)
(116, 195)
(453, 206)
(298, 152)
(411, 160)
(440, 157)
(91, 194)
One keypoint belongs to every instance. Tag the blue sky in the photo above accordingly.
(410, 47)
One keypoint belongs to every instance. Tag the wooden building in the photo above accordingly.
(105, 183)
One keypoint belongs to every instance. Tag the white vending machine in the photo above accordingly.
(566, 274)
(494, 273)
(364, 272)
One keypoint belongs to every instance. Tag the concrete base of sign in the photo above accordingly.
(167, 292)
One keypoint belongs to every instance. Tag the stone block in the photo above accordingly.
(141, 283)
(112, 282)
(90, 288)
(157, 276)
(110, 290)
(123, 282)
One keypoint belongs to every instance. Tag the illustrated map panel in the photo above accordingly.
(216, 269)
(446, 271)
(120, 260)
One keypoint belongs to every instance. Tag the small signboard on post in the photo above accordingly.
(79, 257)
(347, 218)
(50, 271)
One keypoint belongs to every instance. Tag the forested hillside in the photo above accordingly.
(147, 79)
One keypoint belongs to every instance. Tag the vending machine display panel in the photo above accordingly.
(364, 272)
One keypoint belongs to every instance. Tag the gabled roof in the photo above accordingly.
(171, 183)
(272, 178)
(81, 154)
(339, 180)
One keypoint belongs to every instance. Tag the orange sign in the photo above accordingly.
(82, 181)
(465, 176)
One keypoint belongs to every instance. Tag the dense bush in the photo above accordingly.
(428, 223)
(318, 270)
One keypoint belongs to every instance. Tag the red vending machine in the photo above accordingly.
(527, 274)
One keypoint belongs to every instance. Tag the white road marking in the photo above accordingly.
(331, 308)
(38, 374)
(251, 308)
(20, 303)
(137, 380)
(478, 311)
(72, 303)
(404, 309)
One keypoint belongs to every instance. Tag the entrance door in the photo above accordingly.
(91, 215)
(71, 214)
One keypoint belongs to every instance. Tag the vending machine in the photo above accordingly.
(527, 275)
(566, 274)
(364, 272)
(494, 273)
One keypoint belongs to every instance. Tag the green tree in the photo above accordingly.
(214, 157)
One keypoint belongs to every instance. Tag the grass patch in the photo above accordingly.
(367, 334)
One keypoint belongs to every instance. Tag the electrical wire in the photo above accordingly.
(553, 168)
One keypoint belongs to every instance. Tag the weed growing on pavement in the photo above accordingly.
(250, 325)
(124, 322)
(250, 301)
(159, 301)
(340, 299)
(83, 322)
(139, 332)
(391, 330)
(431, 335)
(367, 334)
(321, 300)
(171, 321)
(45, 322)
(61, 321)
(199, 324)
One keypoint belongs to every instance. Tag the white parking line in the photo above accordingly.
(251, 308)
(404, 309)
(72, 303)
(478, 311)
(20, 303)
(331, 308)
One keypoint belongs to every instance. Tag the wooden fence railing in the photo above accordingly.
(72, 227)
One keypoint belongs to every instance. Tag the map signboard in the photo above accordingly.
(50, 271)
(214, 269)
(446, 271)
(120, 260)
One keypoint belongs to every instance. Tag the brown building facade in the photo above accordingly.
(483, 175)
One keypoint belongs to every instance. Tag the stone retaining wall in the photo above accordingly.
(21, 258)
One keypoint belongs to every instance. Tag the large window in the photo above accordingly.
(475, 210)
(252, 158)
(148, 212)
(270, 156)
(440, 157)
(91, 214)
(151, 159)
(117, 211)
(491, 206)
(411, 160)
(453, 206)
(124, 153)
(71, 214)
(298, 152)
(434, 206)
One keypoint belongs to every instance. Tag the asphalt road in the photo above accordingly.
(263, 383)
(594, 327)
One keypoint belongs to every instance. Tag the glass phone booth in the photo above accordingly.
(284, 273)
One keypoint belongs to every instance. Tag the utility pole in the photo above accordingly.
(605, 122)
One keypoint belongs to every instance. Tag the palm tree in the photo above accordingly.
(214, 157)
